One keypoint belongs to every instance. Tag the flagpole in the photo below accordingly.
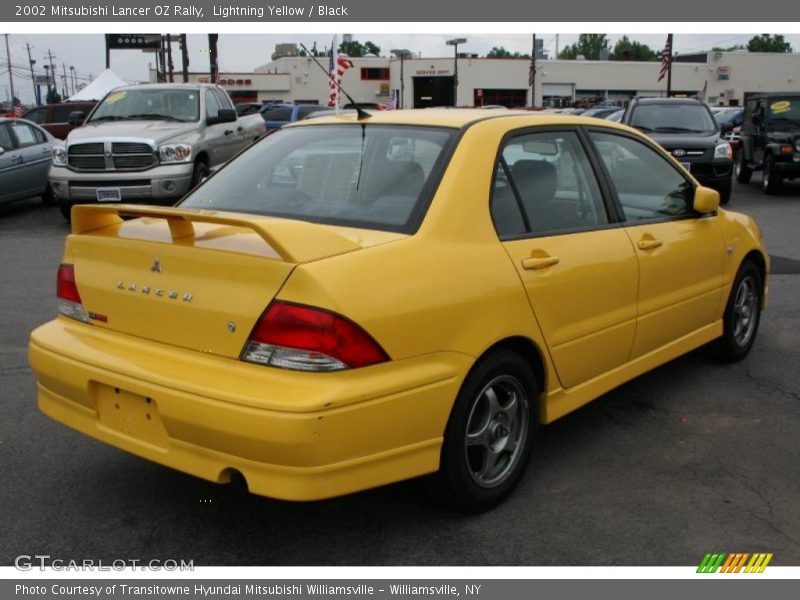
(533, 72)
(669, 65)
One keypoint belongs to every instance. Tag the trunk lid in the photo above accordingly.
(192, 278)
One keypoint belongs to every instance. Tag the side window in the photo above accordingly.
(545, 184)
(212, 104)
(37, 115)
(222, 97)
(647, 185)
(25, 134)
(61, 113)
(6, 143)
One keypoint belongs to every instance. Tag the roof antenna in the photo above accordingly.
(362, 114)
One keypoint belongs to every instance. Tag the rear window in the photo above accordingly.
(783, 112)
(673, 118)
(372, 176)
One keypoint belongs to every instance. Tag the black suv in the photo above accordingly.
(688, 131)
(770, 139)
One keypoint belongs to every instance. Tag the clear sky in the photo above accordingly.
(245, 52)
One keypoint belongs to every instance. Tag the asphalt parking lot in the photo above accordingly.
(691, 458)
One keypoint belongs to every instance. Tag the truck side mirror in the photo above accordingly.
(224, 115)
(76, 118)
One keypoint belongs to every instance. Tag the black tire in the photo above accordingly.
(48, 197)
(771, 182)
(742, 170)
(725, 191)
(746, 292)
(200, 172)
(66, 210)
(503, 441)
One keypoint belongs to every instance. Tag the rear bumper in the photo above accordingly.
(165, 182)
(788, 167)
(293, 436)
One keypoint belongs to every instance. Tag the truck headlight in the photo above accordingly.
(59, 155)
(175, 153)
(723, 150)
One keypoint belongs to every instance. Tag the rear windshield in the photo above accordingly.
(373, 176)
(783, 113)
(673, 118)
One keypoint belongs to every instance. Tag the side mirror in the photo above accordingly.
(76, 118)
(224, 115)
(725, 128)
(706, 200)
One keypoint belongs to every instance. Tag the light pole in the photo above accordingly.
(74, 80)
(455, 42)
(401, 53)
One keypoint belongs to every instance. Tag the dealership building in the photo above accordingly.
(726, 77)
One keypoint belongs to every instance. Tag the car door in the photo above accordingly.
(220, 136)
(237, 138)
(33, 148)
(680, 253)
(759, 138)
(577, 264)
(10, 160)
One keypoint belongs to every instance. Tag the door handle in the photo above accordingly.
(650, 244)
(16, 159)
(240, 128)
(535, 263)
(228, 131)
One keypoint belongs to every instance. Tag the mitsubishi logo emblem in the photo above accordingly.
(156, 268)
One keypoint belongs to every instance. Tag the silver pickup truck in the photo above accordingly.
(149, 143)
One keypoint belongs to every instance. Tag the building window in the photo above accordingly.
(507, 98)
(374, 74)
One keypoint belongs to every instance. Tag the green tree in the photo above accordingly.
(625, 49)
(589, 45)
(356, 49)
(500, 52)
(768, 43)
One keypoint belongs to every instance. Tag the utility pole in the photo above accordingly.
(669, 65)
(532, 75)
(64, 80)
(37, 97)
(184, 58)
(169, 58)
(556, 46)
(10, 76)
(51, 72)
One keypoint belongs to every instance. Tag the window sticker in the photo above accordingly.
(115, 97)
(780, 107)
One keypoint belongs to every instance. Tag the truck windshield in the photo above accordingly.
(153, 104)
(673, 118)
(359, 175)
(783, 114)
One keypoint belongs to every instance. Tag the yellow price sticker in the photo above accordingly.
(780, 107)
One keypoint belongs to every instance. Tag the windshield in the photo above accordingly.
(783, 113)
(168, 104)
(673, 118)
(359, 175)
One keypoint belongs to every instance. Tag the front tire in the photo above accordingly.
(742, 170)
(200, 173)
(742, 314)
(771, 182)
(725, 191)
(66, 210)
(489, 437)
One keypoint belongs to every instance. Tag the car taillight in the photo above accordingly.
(304, 338)
(69, 300)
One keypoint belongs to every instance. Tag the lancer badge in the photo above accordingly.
(156, 268)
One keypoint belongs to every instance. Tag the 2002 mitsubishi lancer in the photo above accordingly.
(358, 300)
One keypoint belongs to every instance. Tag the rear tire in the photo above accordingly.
(742, 170)
(771, 182)
(488, 440)
(742, 314)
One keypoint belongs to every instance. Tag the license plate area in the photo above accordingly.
(109, 195)
(130, 414)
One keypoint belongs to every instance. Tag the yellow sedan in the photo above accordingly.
(358, 300)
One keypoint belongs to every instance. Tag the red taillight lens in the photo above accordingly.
(310, 339)
(69, 300)
(65, 285)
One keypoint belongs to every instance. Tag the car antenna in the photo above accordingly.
(360, 112)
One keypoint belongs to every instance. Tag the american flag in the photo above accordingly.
(390, 104)
(342, 63)
(19, 110)
(701, 95)
(666, 54)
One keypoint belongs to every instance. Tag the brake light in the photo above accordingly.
(787, 149)
(69, 299)
(304, 338)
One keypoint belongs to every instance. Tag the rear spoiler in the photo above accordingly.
(294, 241)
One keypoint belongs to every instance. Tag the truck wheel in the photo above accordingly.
(200, 173)
(743, 172)
(771, 182)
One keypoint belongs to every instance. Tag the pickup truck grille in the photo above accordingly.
(111, 156)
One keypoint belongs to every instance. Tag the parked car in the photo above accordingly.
(350, 303)
(770, 140)
(24, 160)
(600, 112)
(616, 116)
(149, 143)
(685, 128)
(55, 117)
(278, 115)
